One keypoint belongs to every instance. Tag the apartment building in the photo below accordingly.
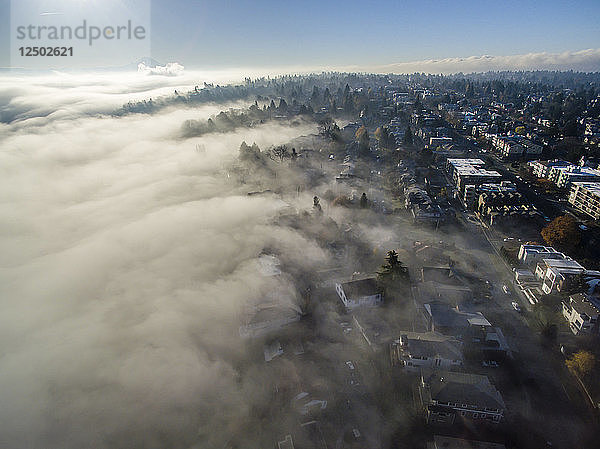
(585, 197)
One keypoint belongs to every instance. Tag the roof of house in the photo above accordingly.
(360, 288)
(431, 344)
(462, 388)
(446, 316)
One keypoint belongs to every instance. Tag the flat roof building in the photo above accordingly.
(542, 169)
(470, 172)
(585, 197)
(532, 254)
(577, 174)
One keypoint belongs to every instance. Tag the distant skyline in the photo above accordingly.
(213, 34)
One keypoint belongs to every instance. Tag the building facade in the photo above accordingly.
(585, 197)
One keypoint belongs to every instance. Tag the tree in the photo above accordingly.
(364, 202)
(329, 129)
(581, 363)
(384, 138)
(579, 284)
(317, 205)
(393, 270)
(417, 105)
(408, 136)
(250, 153)
(279, 153)
(362, 137)
(562, 232)
(549, 331)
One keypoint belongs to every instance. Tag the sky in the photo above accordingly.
(265, 32)
(211, 34)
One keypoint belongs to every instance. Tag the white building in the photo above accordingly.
(572, 174)
(585, 196)
(467, 172)
(542, 169)
(556, 273)
(532, 254)
(439, 141)
(581, 314)
(363, 292)
(523, 276)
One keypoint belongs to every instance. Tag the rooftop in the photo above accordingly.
(592, 187)
(462, 388)
(472, 167)
(430, 344)
(563, 264)
(580, 303)
(362, 287)
(446, 316)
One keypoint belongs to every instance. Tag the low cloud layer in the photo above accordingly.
(584, 60)
(170, 69)
(126, 260)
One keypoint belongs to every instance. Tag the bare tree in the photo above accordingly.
(279, 153)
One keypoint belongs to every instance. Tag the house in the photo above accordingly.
(444, 283)
(449, 320)
(448, 396)
(268, 317)
(363, 292)
(472, 328)
(556, 274)
(415, 350)
(443, 442)
(581, 314)
(420, 204)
